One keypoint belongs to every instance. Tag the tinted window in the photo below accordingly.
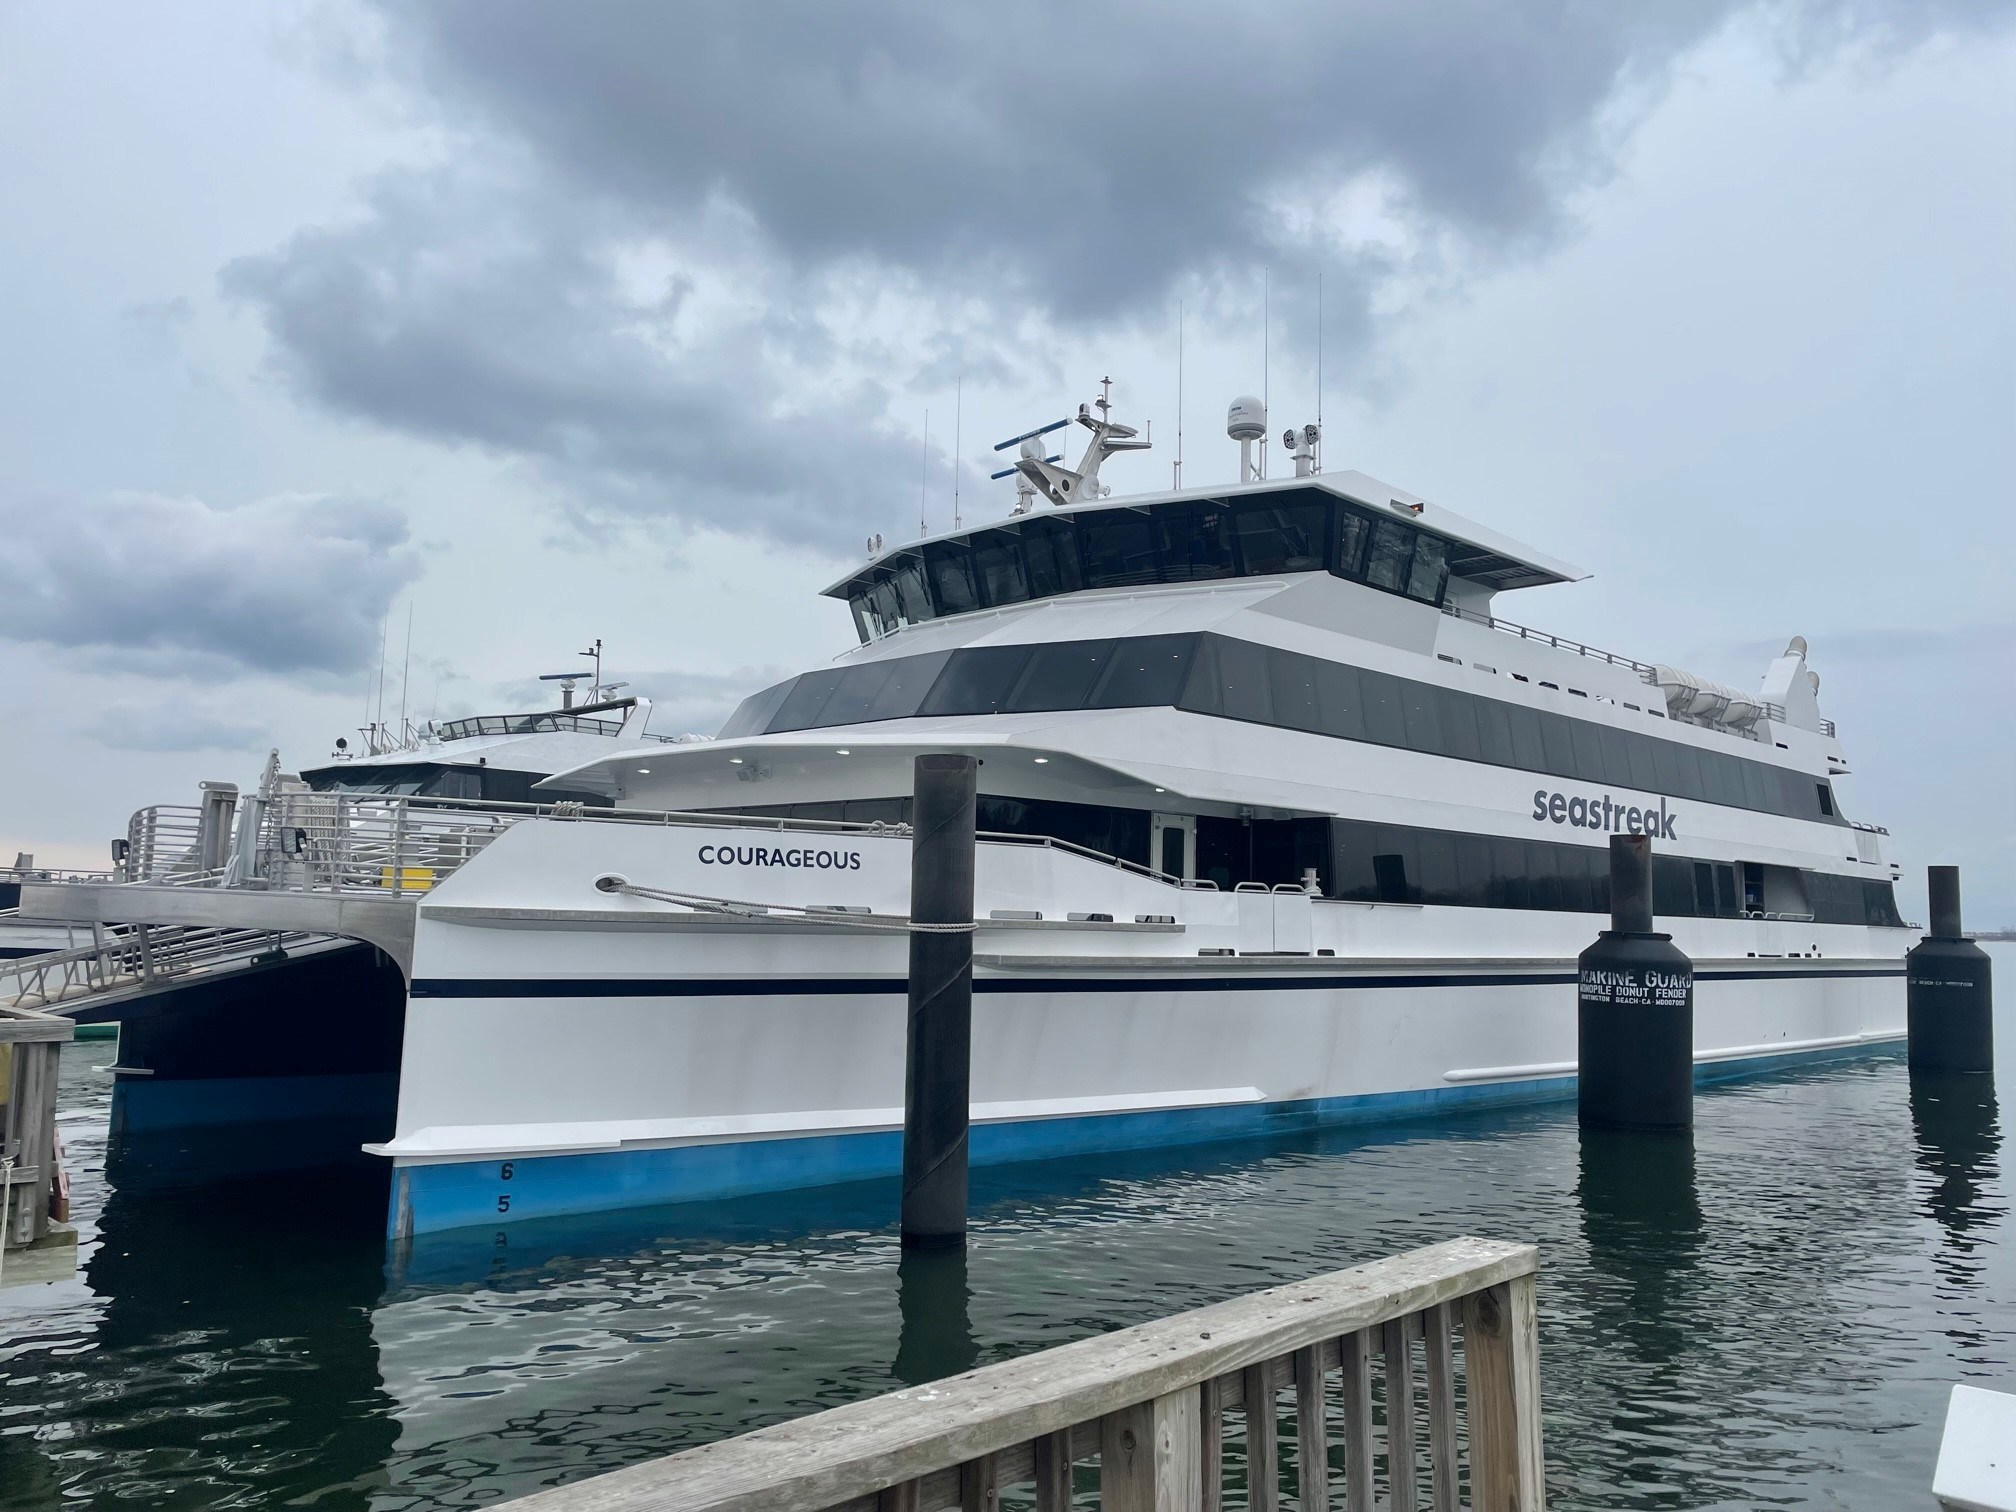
(1558, 736)
(882, 609)
(950, 568)
(856, 694)
(910, 678)
(1119, 549)
(1144, 670)
(1665, 766)
(1201, 693)
(1438, 867)
(1588, 751)
(1424, 717)
(800, 711)
(1528, 746)
(1459, 724)
(1511, 885)
(1193, 541)
(1060, 676)
(1687, 761)
(1242, 681)
(1282, 538)
(1050, 553)
(1430, 571)
(1340, 700)
(1723, 783)
(1616, 757)
(1826, 796)
(1384, 721)
(752, 716)
(1352, 531)
(1755, 794)
(998, 568)
(1292, 680)
(976, 680)
(1638, 756)
(1392, 546)
(1494, 733)
(913, 599)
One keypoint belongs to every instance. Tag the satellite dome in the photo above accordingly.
(1246, 420)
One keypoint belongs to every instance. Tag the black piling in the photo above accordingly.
(939, 1044)
(1948, 995)
(1634, 1010)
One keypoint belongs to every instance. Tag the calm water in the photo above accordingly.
(1768, 1316)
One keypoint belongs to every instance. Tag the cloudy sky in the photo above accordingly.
(538, 323)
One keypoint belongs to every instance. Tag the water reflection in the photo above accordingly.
(231, 1362)
(937, 1310)
(1641, 1218)
(1958, 1135)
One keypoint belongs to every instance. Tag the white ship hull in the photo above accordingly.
(568, 1051)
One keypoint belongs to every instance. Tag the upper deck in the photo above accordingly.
(1348, 524)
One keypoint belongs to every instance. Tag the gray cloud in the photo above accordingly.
(480, 310)
(171, 725)
(287, 584)
(980, 166)
(1086, 163)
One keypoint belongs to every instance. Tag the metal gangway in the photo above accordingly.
(124, 962)
(224, 884)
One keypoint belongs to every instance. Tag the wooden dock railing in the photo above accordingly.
(1422, 1370)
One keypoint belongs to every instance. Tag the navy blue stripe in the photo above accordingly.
(603, 987)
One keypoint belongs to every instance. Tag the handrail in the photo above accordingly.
(136, 955)
(1546, 638)
(1149, 1403)
(310, 840)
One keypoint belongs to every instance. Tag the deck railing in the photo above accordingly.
(1414, 1383)
(137, 956)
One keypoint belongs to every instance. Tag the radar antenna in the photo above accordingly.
(1064, 485)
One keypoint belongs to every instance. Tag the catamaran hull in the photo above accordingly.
(776, 1081)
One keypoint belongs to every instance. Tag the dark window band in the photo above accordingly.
(1360, 862)
(1235, 679)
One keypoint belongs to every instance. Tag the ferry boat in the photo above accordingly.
(491, 758)
(1282, 823)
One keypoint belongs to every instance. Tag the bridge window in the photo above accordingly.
(997, 563)
(1392, 548)
(1429, 573)
(949, 567)
(1281, 537)
(1119, 549)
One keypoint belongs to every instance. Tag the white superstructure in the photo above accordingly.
(1282, 824)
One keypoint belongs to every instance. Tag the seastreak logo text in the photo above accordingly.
(1605, 813)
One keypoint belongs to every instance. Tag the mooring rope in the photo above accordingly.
(743, 908)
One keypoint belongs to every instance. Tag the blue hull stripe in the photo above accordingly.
(605, 987)
(487, 1192)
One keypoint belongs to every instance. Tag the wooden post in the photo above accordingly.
(1356, 1352)
(1312, 1444)
(1150, 1456)
(1263, 1462)
(1053, 1472)
(937, 1081)
(1211, 1455)
(1501, 1357)
(980, 1484)
(1402, 1432)
(1439, 1320)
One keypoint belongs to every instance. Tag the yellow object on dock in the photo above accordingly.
(406, 878)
